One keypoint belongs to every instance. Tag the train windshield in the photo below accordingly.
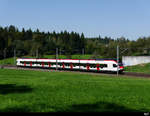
(120, 64)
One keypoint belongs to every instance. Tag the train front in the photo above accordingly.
(121, 67)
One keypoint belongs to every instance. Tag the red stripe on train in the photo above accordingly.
(71, 66)
(63, 65)
(49, 64)
(24, 63)
(121, 67)
(88, 67)
(42, 64)
(97, 67)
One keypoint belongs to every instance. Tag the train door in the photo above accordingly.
(24, 63)
(71, 66)
(42, 64)
(97, 66)
(63, 65)
(31, 63)
(49, 64)
(88, 67)
(109, 67)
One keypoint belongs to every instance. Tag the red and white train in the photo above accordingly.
(99, 65)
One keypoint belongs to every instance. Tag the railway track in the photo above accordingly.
(129, 74)
(137, 74)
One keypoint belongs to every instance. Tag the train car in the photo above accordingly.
(99, 65)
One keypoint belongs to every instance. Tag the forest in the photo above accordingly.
(28, 42)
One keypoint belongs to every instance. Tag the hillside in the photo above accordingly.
(141, 68)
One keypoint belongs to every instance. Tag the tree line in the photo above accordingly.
(27, 42)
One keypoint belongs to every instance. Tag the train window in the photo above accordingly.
(75, 64)
(27, 62)
(78, 64)
(67, 64)
(93, 65)
(114, 65)
(53, 63)
(60, 64)
(83, 65)
(120, 64)
(33, 62)
(22, 62)
(45, 63)
(103, 65)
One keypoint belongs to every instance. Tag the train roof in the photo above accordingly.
(71, 59)
(104, 59)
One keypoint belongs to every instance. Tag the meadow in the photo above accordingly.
(141, 68)
(36, 91)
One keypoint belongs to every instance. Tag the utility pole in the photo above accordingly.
(117, 59)
(37, 53)
(80, 58)
(56, 58)
(79, 62)
(60, 51)
(14, 56)
(4, 54)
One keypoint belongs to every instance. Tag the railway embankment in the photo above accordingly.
(127, 74)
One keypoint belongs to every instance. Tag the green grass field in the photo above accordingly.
(141, 68)
(35, 91)
(7, 61)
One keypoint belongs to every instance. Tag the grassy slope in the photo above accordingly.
(33, 91)
(142, 68)
(7, 61)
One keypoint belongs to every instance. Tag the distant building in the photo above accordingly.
(134, 60)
